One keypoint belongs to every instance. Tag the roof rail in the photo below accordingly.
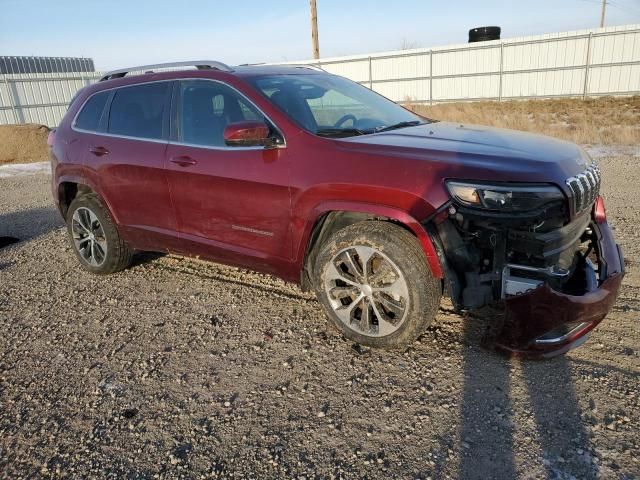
(199, 64)
(311, 66)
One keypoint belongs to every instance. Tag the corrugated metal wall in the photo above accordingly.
(604, 61)
(9, 65)
(582, 63)
(39, 98)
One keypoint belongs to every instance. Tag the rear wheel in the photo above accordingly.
(374, 284)
(94, 237)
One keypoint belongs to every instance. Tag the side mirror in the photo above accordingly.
(247, 134)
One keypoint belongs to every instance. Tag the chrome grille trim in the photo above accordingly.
(585, 188)
(594, 185)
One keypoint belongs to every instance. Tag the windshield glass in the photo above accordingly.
(333, 106)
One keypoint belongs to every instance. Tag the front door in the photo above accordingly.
(232, 203)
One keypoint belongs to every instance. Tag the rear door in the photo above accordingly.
(232, 203)
(129, 161)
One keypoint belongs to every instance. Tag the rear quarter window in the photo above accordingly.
(89, 116)
(138, 111)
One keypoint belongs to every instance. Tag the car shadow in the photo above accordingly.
(142, 258)
(31, 223)
(23, 225)
(18, 226)
(489, 446)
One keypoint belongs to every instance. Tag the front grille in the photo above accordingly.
(585, 188)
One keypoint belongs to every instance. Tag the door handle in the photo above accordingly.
(183, 160)
(99, 151)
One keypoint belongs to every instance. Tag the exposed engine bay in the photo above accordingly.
(502, 240)
(495, 257)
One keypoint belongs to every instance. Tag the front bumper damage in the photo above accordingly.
(545, 323)
(554, 287)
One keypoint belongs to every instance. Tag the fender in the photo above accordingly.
(82, 180)
(376, 210)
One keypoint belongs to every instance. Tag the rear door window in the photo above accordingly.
(91, 113)
(139, 111)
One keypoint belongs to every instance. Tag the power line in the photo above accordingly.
(624, 8)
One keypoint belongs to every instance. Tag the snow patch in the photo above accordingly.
(20, 169)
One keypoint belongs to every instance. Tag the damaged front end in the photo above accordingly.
(548, 257)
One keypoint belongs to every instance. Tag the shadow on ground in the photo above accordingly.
(141, 258)
(28, 224)
(552, 416)
(16, 227)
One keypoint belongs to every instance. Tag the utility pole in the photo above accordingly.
(604, 6)
(314, 30)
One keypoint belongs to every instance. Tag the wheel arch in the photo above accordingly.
(331, 217)
(70, 187)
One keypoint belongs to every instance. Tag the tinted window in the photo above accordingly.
(207, 108)
(331, 105)
(89, 117)
(138, 111)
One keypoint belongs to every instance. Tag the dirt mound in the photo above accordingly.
(23, 143)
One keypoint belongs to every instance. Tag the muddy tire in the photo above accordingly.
(373, 281)
(94, 237)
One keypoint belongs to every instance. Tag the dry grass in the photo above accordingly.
(23, 143)
(607, 121)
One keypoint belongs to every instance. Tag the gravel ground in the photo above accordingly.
(179, 368)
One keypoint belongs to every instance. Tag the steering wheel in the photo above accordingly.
(344, 119)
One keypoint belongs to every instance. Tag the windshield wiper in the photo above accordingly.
(339, 132)
(350, 132)
(395, 126)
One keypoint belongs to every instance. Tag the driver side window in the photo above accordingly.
(206, 108)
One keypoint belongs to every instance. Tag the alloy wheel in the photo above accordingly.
(367, 291)
(88, 237)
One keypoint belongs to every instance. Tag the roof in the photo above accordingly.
(209, 66)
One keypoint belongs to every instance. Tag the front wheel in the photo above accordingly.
(374, 283)
(94, 237)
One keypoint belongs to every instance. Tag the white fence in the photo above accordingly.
(583, 63)
(39, 98)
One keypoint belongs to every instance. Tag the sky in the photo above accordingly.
(120, 33)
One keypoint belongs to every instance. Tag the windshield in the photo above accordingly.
(333, 106)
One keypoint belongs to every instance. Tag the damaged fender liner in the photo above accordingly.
(546, 323)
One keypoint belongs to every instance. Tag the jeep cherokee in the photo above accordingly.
(314, 178)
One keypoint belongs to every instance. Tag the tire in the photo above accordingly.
(483, 34)
(110, 253)
(391, 302)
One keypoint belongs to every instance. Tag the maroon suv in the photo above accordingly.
(320, 181)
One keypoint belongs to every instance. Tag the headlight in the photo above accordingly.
(505, 198)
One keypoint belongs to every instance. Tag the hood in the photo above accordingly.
(479, 152)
